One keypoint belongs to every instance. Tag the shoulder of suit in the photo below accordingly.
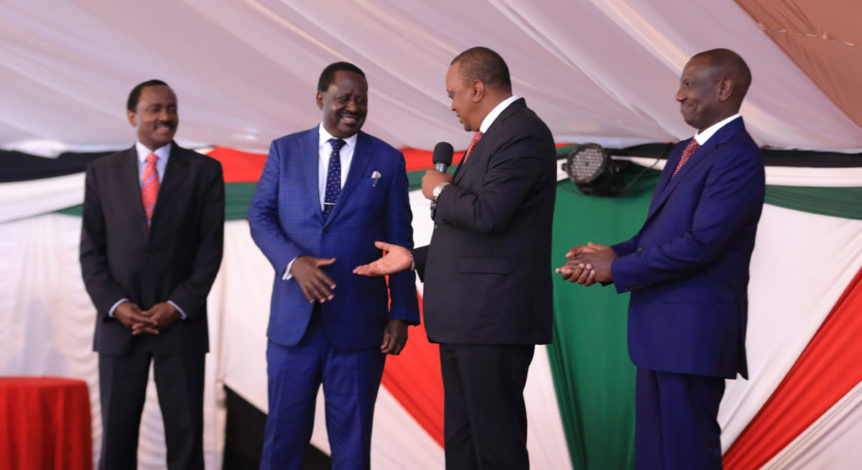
(377, 144)
(296, 135)
(113, 159)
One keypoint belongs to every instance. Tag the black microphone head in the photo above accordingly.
(443, 153)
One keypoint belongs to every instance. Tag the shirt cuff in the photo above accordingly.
(114, 307)
(287, 276)
(182, 314)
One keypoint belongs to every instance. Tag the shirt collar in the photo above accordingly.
(702, 137)
(162, 152)
(325, 136)
(492, 116)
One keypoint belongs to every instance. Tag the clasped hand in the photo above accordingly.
(159, 317)
(587, 265)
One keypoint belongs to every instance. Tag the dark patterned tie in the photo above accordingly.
(333, 177)
(689, 149)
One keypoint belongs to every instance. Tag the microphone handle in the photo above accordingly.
(441, 167)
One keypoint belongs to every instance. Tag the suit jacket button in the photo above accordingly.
(326, 229)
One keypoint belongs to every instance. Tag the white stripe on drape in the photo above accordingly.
(800, 267)
(831, 442)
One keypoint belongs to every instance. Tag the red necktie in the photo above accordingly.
(150, 186)
(692, 146)
(476, 137)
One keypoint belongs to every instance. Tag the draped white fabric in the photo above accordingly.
(801, 265)
(245, 72)
(40, 275)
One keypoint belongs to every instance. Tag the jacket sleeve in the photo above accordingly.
(191, 293)
(513, 170)
(100, 284)
(399, 230)
(732, 196)
(263, 216)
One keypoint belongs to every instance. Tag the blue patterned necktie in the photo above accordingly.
(333, 177)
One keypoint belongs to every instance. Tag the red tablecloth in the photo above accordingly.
(45, 424)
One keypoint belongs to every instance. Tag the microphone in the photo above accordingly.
(442, 158)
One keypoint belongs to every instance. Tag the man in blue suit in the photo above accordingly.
(687, 271)
(325, 195)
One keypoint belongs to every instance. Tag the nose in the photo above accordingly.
(680, 95)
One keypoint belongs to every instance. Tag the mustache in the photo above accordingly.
(168, 124)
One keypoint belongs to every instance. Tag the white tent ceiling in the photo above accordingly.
(245, 71)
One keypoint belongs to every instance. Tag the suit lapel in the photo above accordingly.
(175, 172)
(362, 156)
(309, 154)
(483, 146)
(131, 193)
(699, 158)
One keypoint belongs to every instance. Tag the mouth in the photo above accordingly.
(350, 119)
(164, 128)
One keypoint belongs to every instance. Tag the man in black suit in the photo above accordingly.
(151, 245)
(487, 271)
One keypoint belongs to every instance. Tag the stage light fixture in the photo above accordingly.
(593, 171)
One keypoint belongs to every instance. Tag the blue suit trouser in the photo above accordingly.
(676, 423)
(350, 382)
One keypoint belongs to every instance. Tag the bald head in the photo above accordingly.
(729, 65)
(712, 86)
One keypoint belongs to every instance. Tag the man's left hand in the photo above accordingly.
(394, 337)
(163, 314)
(431, 179)
(599, 258)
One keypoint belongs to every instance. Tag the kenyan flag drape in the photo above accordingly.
(802, 407)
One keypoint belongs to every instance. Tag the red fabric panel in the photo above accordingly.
(45, 424)
(245, 167)
(423, 159)
(827, 369)
(239, 167)
(414, 379)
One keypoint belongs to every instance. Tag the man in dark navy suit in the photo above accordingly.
(687, 271)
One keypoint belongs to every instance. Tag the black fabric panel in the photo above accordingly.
(243, 442)
(18, 166)
(771, 157)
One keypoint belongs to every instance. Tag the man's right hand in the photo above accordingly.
(130, 315)
(314, 283)
(396, 260)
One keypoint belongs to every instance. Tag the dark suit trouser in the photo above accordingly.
(485, 419)
(179, 382)
(350, 383)
(676, 423)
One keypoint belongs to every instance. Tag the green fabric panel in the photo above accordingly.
(237, 199)
(74, 210)
(414, 178)
(845, 202)
(593, 375)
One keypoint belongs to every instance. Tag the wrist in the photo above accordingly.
(435, 193)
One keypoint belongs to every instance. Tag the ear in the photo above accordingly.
(477, 91)
(133, 118)
(319, 99)
(725, 89)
